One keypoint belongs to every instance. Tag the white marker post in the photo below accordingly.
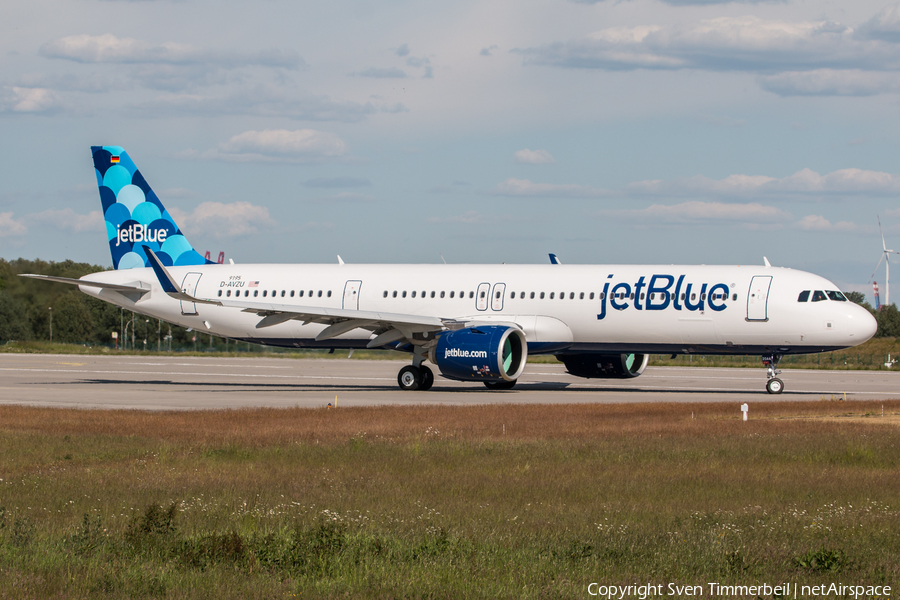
(744, 408)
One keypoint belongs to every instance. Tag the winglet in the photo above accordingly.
(554, 260)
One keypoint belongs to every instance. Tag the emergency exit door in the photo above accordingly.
(758, 298)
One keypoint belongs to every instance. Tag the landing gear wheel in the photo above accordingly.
(775, 386)
(409, 378)
(500, 385)
(426, 378)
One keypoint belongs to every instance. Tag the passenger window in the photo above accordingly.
(227, 294)
(497, 295)
(552, 295)
(581, 296)
(255, 293)
(642, 296)
(404, 293)
(471, 294)
(246, 293)
(385, 293)
(394, 295)
(572, 295)
(265, 293)
(282, 293)
(521, 295)
(414, 293)
(442, 294)
(301, 294)
(220, 292)
(320, 293)
(818, 296)
(432, 294)
(292, 293)
(542, 295)
(734, 297)
(804, 296)
(631, 296)
(512, 296)
(481, 295)
(532, 296)
(836, 295)
(592, 295)
(693, 297)
(703, 296)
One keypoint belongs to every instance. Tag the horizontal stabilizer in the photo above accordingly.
(137, 286)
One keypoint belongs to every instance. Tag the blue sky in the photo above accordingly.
(637, 131)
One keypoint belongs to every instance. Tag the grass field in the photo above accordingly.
(503, 501)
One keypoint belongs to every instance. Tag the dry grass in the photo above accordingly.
(434, 501)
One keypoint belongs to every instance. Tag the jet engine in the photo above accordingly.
(491, 354)
(605, 366)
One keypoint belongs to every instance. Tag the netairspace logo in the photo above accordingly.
(457, 353)
(140, 233)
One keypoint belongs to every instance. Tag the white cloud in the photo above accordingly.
(697, 212)
(746, 43)
(10, 227)
(68, 220)
(218, 220)
(533, 157)
(468, 217)
(524, 187)
(883, 26)
(279, 145)
(382, 73)
(820, 223)
(806, 182)
(108, 48)
(830, 82)
(38, 100)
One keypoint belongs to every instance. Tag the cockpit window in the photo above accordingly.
(804, 296)
(818, 296)
(836, 295)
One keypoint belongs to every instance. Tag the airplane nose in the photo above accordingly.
(862, 324)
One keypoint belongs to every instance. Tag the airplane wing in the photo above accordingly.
(390, 327)
(136, 287)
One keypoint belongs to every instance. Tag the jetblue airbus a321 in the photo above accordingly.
(473, 322)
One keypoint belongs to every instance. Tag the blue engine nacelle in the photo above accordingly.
(490, 353)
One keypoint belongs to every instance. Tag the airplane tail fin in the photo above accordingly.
(135, 217)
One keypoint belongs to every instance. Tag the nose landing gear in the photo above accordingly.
(773, 385)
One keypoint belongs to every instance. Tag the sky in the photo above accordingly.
(631, 131)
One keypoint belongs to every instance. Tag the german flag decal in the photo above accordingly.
(114, 160)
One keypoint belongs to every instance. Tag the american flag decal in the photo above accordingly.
(253, 284)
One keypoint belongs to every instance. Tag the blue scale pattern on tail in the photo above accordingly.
(135, 217)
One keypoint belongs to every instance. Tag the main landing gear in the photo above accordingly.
(413, 378)
(773, 385)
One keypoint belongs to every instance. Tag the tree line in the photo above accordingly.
(25, 310)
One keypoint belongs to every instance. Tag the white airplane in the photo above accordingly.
(474, 322)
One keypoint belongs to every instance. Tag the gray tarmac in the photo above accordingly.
(185, 383)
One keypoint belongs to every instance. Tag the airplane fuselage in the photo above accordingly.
(561, 308)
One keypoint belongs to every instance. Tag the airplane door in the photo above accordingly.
(189, 285)
(758, 298)
(481, 297)
(497, 296)
(351, 295)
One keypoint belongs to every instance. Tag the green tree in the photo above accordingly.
(13, 318)
(888, 321)
(72, 321)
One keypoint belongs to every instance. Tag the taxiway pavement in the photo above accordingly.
(184, 383)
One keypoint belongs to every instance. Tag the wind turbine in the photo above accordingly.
(885, 256)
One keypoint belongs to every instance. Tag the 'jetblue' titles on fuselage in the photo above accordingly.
(658, 294)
